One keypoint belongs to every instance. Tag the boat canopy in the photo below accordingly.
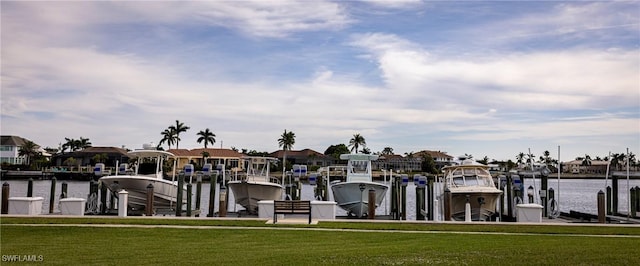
(359, 157)
(149, 153)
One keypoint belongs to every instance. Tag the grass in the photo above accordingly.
(377, 244)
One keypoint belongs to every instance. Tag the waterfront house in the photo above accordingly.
(10, 150)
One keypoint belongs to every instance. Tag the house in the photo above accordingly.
(441, 159)
(577, 167)
(86, 157)
(307, 157)
(10, 150)
(411, 163)
(198, 157)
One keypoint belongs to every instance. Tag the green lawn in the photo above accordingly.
(379, 244)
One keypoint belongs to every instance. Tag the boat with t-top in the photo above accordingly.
(135, 178)
(256, 184)
(352, 195)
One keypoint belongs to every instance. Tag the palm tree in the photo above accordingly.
(586, 161)
(286, 141)
(168, 136)
(83, 143)
(520, 158)
(177, 129)
(100, 158)
(547, 157)
(207, 136)
(29, 149)
(387, 151)
(69, 144)
(356, 142)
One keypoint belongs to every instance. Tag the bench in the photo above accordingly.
(291, 207)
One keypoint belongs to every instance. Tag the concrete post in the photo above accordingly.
(212, 194)
(123, 202)
(222, 207)
(467, 210)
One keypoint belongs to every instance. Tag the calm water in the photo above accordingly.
(574, 194)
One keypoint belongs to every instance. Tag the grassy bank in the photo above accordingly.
(377, 244)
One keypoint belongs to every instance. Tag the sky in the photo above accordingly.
(483, 78)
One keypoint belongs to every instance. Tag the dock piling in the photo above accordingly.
(212, 193)
(30, 187)
(447, 204)
(64, 193)
(5, 198)
(103, 198)
(179, 195)
(148, 210)
(430, 199)
(52, 195)
(601, 208)
(371, 214)
(189, 199)
(198, 193)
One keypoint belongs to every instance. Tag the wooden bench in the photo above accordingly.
(291, 207)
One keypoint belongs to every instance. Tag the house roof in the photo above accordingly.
(110, 150)
(298, 154)
(593, 162)
(215, 153)
(433, 154)
(13, 141)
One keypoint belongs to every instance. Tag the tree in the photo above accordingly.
(409, 154)
(207, 136)
(205, 155)
(100, 158)
(336, 150)
(357, 141)
(520, 158)
(586, 161)
(428, 164)
(366, 150)
(387, 151)
(83, 143)
(178, 128)
(286, 141)
(29, 150)
(168, 136)
(69, 144)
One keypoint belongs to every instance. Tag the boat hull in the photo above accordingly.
(479, 212)
(164, 191)
(248, 193)
(355, 201)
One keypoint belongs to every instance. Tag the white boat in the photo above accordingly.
(256, 185)
(471, 182)
(147, 170)
(352, 195)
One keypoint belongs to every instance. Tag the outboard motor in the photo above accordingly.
(122, 169)
(98, 170)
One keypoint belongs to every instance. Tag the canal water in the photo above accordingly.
(572, 194)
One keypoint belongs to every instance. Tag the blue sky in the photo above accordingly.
(483, 78)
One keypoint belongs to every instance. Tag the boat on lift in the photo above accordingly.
(147, 169)
(352, 195)
(256, 185)
(470, 181)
